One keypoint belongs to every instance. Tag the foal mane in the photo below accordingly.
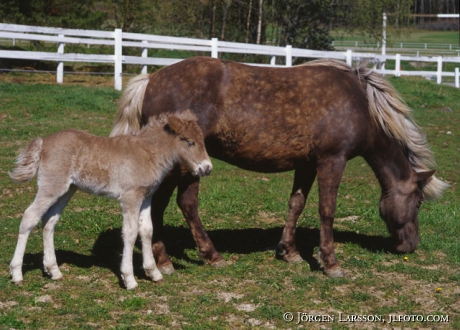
(392, 114)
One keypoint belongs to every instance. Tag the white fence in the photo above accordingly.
(119, 39)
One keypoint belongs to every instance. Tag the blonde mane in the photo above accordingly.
(392, 114)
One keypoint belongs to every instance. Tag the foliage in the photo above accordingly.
(55, 13)
(301, 23)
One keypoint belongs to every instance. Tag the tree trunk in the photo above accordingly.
(259, 26)
(224, 20)
(248, 22)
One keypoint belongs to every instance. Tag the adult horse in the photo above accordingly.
(311, 119)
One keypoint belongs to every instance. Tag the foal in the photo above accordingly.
(126, 168)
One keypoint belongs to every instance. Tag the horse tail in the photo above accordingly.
(27, 162)
(128, 118)
(392, 114)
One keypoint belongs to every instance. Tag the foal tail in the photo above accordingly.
(27, 162)
(129, 112)
(392, 114)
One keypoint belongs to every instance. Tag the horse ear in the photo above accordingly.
(422, 177)
(173, 125)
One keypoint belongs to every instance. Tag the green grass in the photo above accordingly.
(243, 213)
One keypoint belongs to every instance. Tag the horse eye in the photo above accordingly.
(190, 143)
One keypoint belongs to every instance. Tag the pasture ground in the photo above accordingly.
(243, 213)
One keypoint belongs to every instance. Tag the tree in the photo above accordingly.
(302, 23)
(365, 16)
(56, 13)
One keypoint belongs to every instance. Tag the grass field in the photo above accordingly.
(243, 213)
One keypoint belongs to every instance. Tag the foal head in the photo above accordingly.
(188, 140)
(399, 208)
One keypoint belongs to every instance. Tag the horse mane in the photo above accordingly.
(392, 114)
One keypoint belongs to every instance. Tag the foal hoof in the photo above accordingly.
(335, 272)
(219, 263)
(166, 269)
(18, 283)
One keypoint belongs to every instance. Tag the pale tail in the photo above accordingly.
(27, 162)
(129, 113)
(395, 117)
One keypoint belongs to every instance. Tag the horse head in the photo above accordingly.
(399, 209)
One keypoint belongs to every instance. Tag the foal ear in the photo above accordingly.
(422, 177)
(188, 115)
(173, 125)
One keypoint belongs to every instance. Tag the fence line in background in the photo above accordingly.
(119, 39)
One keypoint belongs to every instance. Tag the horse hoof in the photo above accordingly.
(335, 272)
(293, 259)
(219, 263)
(167, 269)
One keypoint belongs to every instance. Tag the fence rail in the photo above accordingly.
(119, 39)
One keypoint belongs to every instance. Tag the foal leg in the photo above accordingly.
(50, 220)
(187, 199)
(303, 180)
(130, 205)
(329, 176)
(146, 232)
(30, 219)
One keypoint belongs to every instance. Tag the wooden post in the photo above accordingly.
(439, 73)
(349, 57)
(214, 48)
(288, 55)
(456, 79)
(398, 65)
(144, 55)
(60, 66)
(118, 84)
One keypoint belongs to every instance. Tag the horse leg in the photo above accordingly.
(329, 176)
(187, 199)
(160, 201)
(146, 232)
(30, 219)
(50, 220)
(130, 205)
(303, 180)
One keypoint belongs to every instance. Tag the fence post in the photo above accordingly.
(456, 78)
(118, 60)
(214, 48)
(288, 55)
(273, 60)
(144, 55)
(349, 57)
(439, 73)
(60, 66)
(398, 65)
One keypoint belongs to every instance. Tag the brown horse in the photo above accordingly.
(311, 119)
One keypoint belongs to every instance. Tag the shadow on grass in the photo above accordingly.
(108, 247)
